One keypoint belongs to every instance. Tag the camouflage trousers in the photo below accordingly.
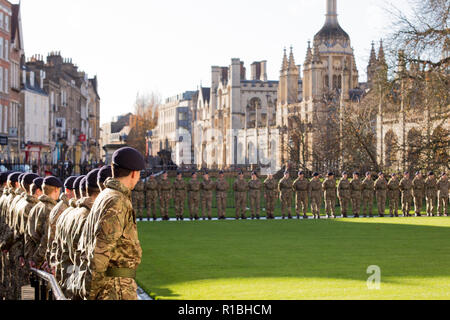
(207, 205)
(286, 205)
(418, 203)
(138, 204)
(221, 198)
(442, 204)
(330, 206)
(255, 203)
(367, 205)
(301, 203)
(179, 202)
(151, 204)
(164, 202)
(356, 204)
(194, 204)
(381, 203)
(240, 204)
(406, 203)
(430, 200)
(113, 289)
(5, 276)
(393, 203)
(316, 203)
(271, 200)
(345, 204)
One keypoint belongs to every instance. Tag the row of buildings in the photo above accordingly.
(240, 121)
(49, 109)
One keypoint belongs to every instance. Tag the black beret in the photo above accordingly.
(254, 173)
(83, 183)
(29, 178)
(444, 173)
(205, 171)
(14, 177)
(220, 172)
(68, 184)
(20, 178)
(76, 184)
(179, 173)
(381, 174)
(129, 158)
(368, 173)
(431, 173)
(356, 173)
(104, 173)
(394, 175)
(194, 173)
(4, 177)
(315, 174)
(330, 174)
(164, 172)
(92, 178)
(406, 172)
(53, 181)
(344, 173)
(301, 173)
(418, 172)
(286, 172)
(241, 173)
(38, 182)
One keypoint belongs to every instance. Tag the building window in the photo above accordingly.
(1, 48)
(6, 50)
(1, 79)
(6, 81)
(7, 23)
(1, 19)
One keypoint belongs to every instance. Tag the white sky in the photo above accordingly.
(169, 46)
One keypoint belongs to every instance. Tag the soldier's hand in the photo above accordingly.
(5, 252)
(32, 264)
(21, 262)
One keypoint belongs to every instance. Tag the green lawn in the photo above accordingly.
(314, 259)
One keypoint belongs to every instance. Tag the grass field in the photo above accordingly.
(314, 259)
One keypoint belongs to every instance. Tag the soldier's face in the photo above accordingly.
(221, 176)
(194, 177)
(165, 176)
(301, 176)
(206, 177)
(355, 176)
(345, 176)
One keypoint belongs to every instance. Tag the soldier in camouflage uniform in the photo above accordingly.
(329, 189)
(285, 190)
(52, 189)
(431, 193)
(271, 195)
(393, 195)
(418, 193)
(443, 187)
(406, 189)
(316, 195)
(255, 186)
(222, 187)
(138, 197)
(113, 248)
(381, 193)
(207, 188)
(151, 188)
(165, 193)
(5, 193)
(194, 196)
(240, 188)
(367, 195)
(180, 189)
(302, 189)
(356, 192)
(344, 194)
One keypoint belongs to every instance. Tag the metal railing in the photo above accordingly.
(45, 286)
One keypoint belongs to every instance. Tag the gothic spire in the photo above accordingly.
(285, 63)
(292, 65)
(316, 54)
(308, 59)
(331, 12)
(381, 57)
(373, 57)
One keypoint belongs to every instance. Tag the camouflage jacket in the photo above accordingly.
(240, 186)
(222, 186)
(418, 187)
(394, 186)
(112, 236)
(329, 188)
(180, 188)
(271, 187)
(344, 191)
(431, 186)
(44, 207)
(164, 186)
(77, 220)
(301, 186)
(443, 186)
(56, 212)
(151, 185)
(356, 187)
(207, 187)
(316, 187)
(139, 188)
(381, 185)
(368, 187)
(405, 185)
(285, 187)
(194, 186)
(255, 187)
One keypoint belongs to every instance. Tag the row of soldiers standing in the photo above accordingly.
(357, 193)
(85, 236)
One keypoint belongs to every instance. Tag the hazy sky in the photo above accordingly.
(169, 46)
